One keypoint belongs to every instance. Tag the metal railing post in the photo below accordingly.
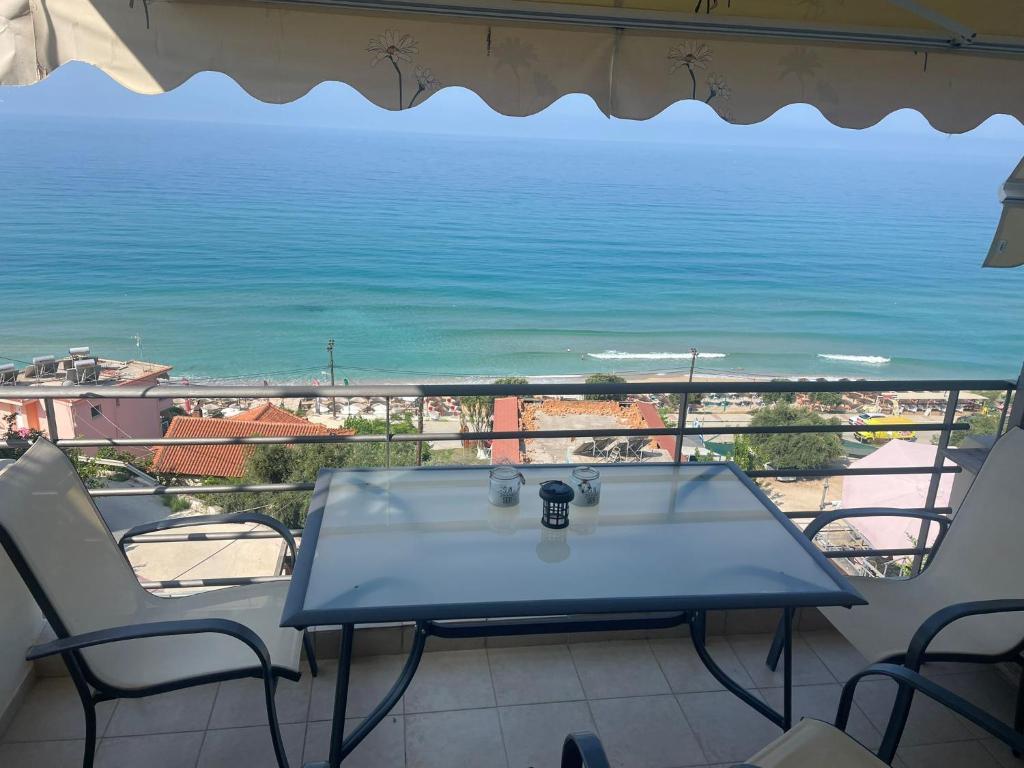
(684, 403)
(1004, 412)
(933, 485)
(1016, 418)
(387, 432)
(51, 420)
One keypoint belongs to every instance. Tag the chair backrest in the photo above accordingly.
(74, 568)
(981, 558)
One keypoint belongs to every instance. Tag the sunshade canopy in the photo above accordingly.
(956, 62)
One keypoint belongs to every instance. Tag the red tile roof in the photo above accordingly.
(268, 412)
(226, 460)
(653, 420)
(506, 419)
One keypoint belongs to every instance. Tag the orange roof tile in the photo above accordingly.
(222, 460)
(268, 412)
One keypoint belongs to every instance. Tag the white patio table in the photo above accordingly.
(666, 544)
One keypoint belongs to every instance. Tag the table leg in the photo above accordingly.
(698, 634)
(341, 747)
(787, 673)
(341, 695)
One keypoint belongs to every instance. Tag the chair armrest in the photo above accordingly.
(233, 629)
(941, 619)
(233, 517)
(827, 518)
(910, 681)
(583, 750)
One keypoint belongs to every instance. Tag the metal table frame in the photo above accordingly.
(694, 615)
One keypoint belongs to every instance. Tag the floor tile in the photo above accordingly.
(242, 703)
(646, 732)
(821, 703)
(451, 680)
(615, 669)
(470, 737)
(808, 669)
(384, 747)
(726, 727)
(525, 675)
(987, 689)
(370, 679)
(42, 754)
(929, 721)
(962, 754)
(534, 733)
(249, 747)
(165, 750)
(52, 710)
(836, 652)
(685, 671)
(1001, 752)
(185, 710)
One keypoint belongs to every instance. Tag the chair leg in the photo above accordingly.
(307, 643)
(776, 650)
(90, 734)
(270, 688)
(1018, 717)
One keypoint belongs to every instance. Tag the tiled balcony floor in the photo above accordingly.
(650, 700)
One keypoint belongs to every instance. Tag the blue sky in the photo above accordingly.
(79, 90)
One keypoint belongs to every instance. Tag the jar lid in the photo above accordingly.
(585, 473)
(504, 471)
(556, 490)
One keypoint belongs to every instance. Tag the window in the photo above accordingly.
(96, 411)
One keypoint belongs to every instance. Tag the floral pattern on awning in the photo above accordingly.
(279, 52)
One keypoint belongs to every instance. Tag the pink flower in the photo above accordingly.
(24, 432)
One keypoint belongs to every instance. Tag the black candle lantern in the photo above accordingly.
(556, 496)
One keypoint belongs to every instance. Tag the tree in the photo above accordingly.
(794, 451)
(981, 424)
(301, 463)
(773, 398)
(743, 454)
(604, 378)
(827, 401)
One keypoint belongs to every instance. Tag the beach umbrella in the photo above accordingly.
(1007, 249)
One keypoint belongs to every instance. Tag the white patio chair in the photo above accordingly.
(979, 558)
(813, 743)
(117, 639)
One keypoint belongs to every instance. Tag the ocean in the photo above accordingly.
(235, 252)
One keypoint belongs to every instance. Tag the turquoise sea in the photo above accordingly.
(235, 252)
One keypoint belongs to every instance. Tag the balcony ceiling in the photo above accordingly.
(956, 62)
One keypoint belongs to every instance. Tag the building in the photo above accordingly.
(197, 461)
(82, 417)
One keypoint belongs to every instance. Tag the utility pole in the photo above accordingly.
(693, 361)
(330, 358)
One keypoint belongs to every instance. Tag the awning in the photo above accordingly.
(957, 63)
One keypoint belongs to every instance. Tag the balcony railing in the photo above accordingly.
(944, 427)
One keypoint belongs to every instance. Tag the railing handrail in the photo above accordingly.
(179, 391)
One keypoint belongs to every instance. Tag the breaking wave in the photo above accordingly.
(866, 359)
(612, 354)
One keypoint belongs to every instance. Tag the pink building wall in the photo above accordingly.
(116, 417)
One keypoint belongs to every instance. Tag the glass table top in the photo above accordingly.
(401, 545)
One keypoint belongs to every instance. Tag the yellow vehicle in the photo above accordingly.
(876, 436)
